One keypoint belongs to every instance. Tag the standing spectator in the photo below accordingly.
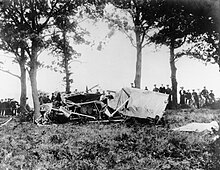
(196, 98)
(201, 101)
(97, 91)
(4, 103)
(14, 105)
(103, 93)
(1, 107)
(44, 98)
(169, 92)
(155, 89)
(205, 94)
(52, 97)
(47, 99)
(188, 97)
(7, 107)
(182, 93)
(58, 100)
(162, 89)
(212, 96)
(58, 97)
(40, 98)
(145, 88)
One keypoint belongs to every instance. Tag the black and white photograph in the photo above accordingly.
(109, 84)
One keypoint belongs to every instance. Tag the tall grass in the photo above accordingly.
(99, 146)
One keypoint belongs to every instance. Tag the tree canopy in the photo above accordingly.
(138, 18)
(179, 22)
(34, 19)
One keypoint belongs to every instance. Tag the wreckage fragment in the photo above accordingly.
(199, 127)
(139, 103)
(75, 107)
(129, 102)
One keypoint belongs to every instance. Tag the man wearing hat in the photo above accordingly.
(155, 89)
(182, 93)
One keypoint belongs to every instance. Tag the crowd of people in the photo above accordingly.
(55, 98)
(8, 107)
(196, 99)
(191, 98)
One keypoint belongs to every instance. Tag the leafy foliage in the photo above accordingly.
(136, 19)
(204, 35)
(178, 20)
(33, 20)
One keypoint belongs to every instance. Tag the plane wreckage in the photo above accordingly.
(128, 102)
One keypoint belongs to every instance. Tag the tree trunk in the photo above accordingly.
(23, 84)
(67, 79)
(66, 64)
(173, 76)
(137, 80)
(33, 78)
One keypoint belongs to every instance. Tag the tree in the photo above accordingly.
(61, 46)
(206, 45)
(206, 48)
(140, 21)
(15, 45)
(38, 17)
(176, 23)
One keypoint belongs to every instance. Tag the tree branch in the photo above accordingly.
(7, 71)
(130, 38)
(143, 36)
(49, 16)
(179, 45)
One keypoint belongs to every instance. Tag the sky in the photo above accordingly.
(114, 67)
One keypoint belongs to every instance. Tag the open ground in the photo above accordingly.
(111, 146)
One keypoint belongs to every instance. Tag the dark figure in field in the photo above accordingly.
(162, 89)
(155, 88)
(195, 98)
(4, 103)
(1, 107)
(53, 97)
(7, 108)
(188, 97)
(40, 98)
(212, 96)
(14, 105)
(182, 93)
(205, 94)
(47, 99)
(145, 88)
(169, 92)
(97, 91)
(58, 100)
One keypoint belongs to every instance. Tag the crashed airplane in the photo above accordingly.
(128, 102)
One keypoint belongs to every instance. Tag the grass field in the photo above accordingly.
(118, 146)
